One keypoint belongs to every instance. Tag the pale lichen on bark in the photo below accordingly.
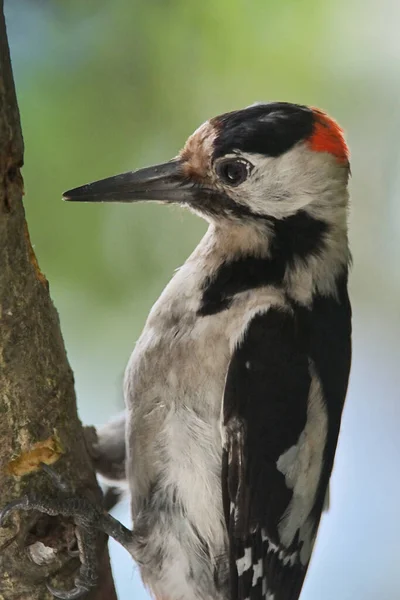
(37, 397)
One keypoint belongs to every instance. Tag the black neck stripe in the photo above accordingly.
(296, 237)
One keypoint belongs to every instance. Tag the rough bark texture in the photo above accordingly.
(37, 398)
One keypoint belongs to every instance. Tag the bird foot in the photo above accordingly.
(88, 519)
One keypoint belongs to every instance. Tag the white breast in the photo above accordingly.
(174, 388)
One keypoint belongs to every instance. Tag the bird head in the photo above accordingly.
(268, 160)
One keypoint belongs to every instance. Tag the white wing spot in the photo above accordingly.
(264, 587)
(257, 572)
(288, 559)
(244, 563)
(302, 465)
(247, 364)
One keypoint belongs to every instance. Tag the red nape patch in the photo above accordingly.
(328, 136)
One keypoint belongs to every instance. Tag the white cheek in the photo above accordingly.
(264, 192)
(281, 186)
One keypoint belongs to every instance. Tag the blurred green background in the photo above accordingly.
(105, 87)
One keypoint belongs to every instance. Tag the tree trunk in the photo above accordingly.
(38, 416)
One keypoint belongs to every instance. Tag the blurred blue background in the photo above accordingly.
(105, 87)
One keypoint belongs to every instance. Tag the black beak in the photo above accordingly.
(165, 182)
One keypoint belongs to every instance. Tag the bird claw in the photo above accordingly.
(88, 518)
(18, 504)
(75, 592)
(85, 532)
(86, 580)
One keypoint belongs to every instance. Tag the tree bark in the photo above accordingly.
(38, 416)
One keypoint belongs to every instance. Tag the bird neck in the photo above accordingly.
(302, 254)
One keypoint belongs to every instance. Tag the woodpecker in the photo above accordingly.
(235, 389)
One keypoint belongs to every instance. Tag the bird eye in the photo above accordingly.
(233, 172)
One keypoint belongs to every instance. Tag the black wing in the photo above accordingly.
(283, 400)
